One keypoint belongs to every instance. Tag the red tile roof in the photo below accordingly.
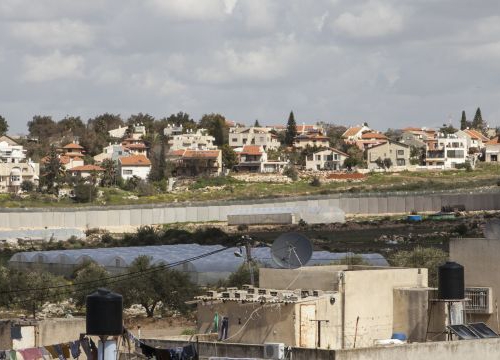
(494, 141)
(251, 150)
(373, 135)
(197, 154)
(135, 146)
(87, 168)
(476, 135)
(134, 160)
(352, 131)
(176, 152)
(73, 146)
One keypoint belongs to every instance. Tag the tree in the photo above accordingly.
(4, 126)
(242, 276)
(334, 134)
(256, 123)
(463, 121)
(355, 154)
(216, 126)
(42, 128)
(291, 172)
(477, 123)
(41, 280)
(387, 163)
(229, 157)
(110, 173)
(421, 257)
(53, 172)
(291, 130)
(27, 186)
(146, 120)
(72, 125)
(84, 192)
(447, 129)
(158, 161)
(393, 134)
(181, 119)
(84, 274)
(380, 163)
(350, 163)
(169, 287)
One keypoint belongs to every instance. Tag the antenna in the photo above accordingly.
(492, 229)
(291, 250)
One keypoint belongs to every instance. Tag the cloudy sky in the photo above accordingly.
(388, 62)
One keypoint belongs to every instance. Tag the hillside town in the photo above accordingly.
(179, 148)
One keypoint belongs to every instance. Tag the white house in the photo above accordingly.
(328, 159)
(354, 133)
(86, 171)
(259, 136)
(304, 140)
(398, 153)
(200, 140)
(450, 151)
(113, 152)
(253, 158)
(492, 150)
(475, 140)
(138, 132)
(14, 168)
(134, 165)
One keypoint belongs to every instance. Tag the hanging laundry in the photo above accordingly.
(163, 354)
(75, 349)
(45, 354)
(85, 344)
(224, 328)
(3, 356)
(53, 353)
(66, 350)
(189, 353)
(216, 323)
(147, 351)
(31, 354)
(93, 350)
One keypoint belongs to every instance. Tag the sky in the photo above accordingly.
(391, 63)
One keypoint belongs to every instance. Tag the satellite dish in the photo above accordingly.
(291, 250)
(492, 229)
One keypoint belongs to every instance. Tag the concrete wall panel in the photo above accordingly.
(202, 213)
(382, 205)
(373, 205)
(180, 214)
(135, 217)
(146, 217)
(409, 203)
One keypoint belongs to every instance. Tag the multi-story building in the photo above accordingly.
(200, 140)
(492, 152)
(14, 168)
(304, 140)
(398, 153)
(137, 132)
(239, 137)
(354, 133)
(253, 158)
(450, 151)
(328, 159)
(135, 146)
(197, 162)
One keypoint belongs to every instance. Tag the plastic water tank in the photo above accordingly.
(451, 281)
(104, 313)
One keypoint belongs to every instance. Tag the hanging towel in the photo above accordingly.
(65, 350)
(216, 323)
(12, 355)
(53, 353)
(75, 349)
(31, 354)
(86, 347)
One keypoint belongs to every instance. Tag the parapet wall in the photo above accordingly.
(123, 218)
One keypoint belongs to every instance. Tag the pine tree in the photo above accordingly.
(291, 130)
(256, 124)
(477, 123)
(53, 173)
(463, 121)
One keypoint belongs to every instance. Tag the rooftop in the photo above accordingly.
(135, 160)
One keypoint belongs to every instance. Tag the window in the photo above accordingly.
(15, 178)
(401, 152)
(336, 156)
(455, 154)
(318, 157)
(127, 172)
(234, 139)
(400, 162)
(329, 157)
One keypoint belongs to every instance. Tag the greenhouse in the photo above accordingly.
(204, 270)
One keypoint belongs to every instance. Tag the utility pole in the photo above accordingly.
(248, 251)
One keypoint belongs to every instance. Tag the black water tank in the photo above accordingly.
(451, 281)
(104, 313)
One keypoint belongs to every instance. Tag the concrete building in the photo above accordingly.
(450, 151)
(134, 165)
(475, 140)
(479, 257)
(314, 139)
(112, 152)
(199, 140)
(138, 131)
(370, 139)
(328, 159)
(172, 130)
(398, 153)
(492, 150)
(14, 168)
(259, 136)
(334, 307)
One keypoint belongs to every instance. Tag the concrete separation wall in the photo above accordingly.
(122, 218)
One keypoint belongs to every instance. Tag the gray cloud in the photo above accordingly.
(390, 63)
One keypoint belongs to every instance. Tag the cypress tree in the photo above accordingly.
(463, 121)
(477, 123)
(291, 130)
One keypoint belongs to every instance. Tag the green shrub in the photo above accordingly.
(291, 172)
